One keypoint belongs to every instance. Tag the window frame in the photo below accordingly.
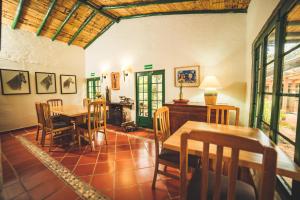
(276, 21)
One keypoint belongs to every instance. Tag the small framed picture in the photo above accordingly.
(68, 84)
(115, 81)
(45, 83)
(187, 76)
(14, 82)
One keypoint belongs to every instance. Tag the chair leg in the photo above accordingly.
(51, 141)
(105, 136)
(155, 174)
(37, 133)
(91, 140)
(43, 137)
(79, 139)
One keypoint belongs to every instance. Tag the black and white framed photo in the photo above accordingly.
(14, 82)
(68, 84)
(45, 83)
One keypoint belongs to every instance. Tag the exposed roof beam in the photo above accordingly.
(76, 5)
(292, 34)
(46, 17)
(99, 34)
(18, 14)
(100, 10)
(293, 23)
(85, 23)
(186, 12)
(144, 3)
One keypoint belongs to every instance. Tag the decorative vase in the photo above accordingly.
(210, 98)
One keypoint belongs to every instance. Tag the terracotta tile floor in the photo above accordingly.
(123, 169)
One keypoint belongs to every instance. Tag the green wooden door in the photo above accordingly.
(93, 87)
(150, 95)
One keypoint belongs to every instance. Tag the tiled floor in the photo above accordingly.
(123, 169)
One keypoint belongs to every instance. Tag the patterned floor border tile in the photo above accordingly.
(80, 187)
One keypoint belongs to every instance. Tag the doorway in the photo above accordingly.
(150, 95)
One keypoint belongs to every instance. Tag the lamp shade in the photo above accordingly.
(210, 83)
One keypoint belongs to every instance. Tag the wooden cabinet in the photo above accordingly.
(181, 113)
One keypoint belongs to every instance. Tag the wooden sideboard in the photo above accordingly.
(181, 113)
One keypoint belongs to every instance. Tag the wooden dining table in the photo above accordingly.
(285, 166)
(73, 111)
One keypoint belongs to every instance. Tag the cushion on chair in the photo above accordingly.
(60, 124)
(59, 118)
(244, 191)
(85, 126)
(174, 157)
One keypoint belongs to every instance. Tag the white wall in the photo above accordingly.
(258, 13)
(24, 51)
(216, 42)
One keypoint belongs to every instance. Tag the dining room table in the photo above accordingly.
(285, 165)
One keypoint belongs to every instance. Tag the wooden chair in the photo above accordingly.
(224, 111)
(86, 102)
(206, 184)
(161, 126)
(54, 128)
(54, 103)
(95, 122)
(40, 120)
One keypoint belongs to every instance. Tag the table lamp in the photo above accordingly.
(210, 84)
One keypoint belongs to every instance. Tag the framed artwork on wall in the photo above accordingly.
(115, 80)
(14, 82)
(68, 84)
(45, 83)
(187, 76)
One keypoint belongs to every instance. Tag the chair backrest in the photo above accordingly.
(96, 114)
(39, 113)
(54, 103)
(235, 144)
(45, 110)
(161, 124)
(86, 102)
(222, 114)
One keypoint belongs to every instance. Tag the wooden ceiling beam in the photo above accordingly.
(100, 10)
(99, 34)
(74, 8)
(85, 23)
(186, 12)
(46, 17)
(293, 23)
(144, 3)
(18, 14)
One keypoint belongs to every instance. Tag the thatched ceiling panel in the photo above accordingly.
(82, 27)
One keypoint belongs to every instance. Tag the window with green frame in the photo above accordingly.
(276, 82)
(93, 86)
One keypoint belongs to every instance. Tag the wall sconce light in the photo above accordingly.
(103, 76)
(126, 72)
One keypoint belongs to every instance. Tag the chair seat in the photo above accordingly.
(85, 125)
(244, 191)
(59, 118)
(60, 124)
(174, 157)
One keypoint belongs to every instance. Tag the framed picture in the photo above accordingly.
(68, 84)
(14, 82)
(115, 80)
(45, 83)
(187, 76)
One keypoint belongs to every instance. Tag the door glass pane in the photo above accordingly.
(267, 108)
(271, 46)
(287, 147)
(269, 77)
(291, 72)
(266, 129)
(292, 37)
(288, 117)
(141, 96)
